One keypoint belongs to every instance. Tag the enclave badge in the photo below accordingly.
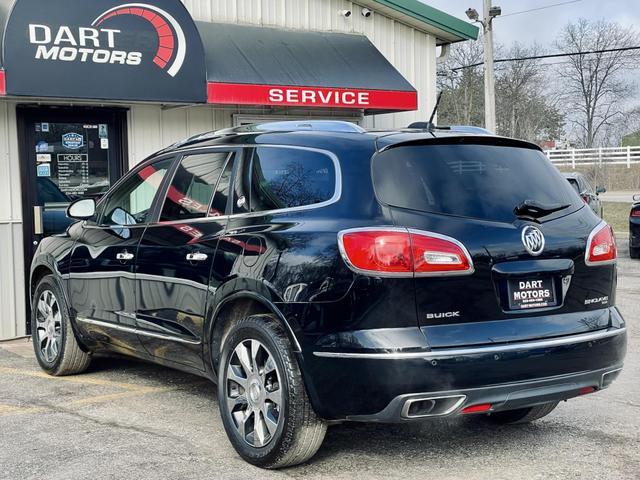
(533, 240)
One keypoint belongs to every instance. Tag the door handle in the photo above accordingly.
(124, 256)
(197, 257)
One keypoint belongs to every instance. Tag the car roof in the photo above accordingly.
(325, 134)
(572, 175)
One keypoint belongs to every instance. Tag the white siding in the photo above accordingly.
(12, 304)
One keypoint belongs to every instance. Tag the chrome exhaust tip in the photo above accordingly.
(423, 407)
(609, 377)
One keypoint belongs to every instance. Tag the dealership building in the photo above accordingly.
(89, 88)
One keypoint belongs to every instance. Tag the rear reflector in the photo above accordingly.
(601, 246)
(482, 407)
(391, 251)
(586, 390)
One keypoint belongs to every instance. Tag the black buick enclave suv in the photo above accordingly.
(321, 273)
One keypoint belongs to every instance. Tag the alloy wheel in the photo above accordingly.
(254, 393)
(48, 326)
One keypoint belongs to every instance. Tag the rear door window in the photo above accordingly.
(191, 192)
(479, 181)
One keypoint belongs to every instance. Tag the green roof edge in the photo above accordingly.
(434, 17)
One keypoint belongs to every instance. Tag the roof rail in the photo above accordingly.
(296, 126)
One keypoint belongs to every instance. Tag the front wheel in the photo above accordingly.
(521, 415)
(54, 341)
(263, 402)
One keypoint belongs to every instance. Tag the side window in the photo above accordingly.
(192, 189)
(587, 186)
(290, 177)
(131, 202)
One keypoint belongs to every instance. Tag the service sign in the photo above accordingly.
(323, 97)
(104, 49)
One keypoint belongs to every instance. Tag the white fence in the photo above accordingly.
(577, 157)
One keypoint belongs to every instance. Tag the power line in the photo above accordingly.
(551, 55)
(540, 8)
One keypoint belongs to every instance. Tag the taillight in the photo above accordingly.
(635, 212)
(403, 252)
(601, 246)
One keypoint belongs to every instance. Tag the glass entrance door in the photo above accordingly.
(65, 154)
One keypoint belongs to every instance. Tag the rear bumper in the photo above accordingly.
(376, 386)
(411, 407)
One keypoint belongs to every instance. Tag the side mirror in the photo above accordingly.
(636, 197)
(82, 209)
(600, 189)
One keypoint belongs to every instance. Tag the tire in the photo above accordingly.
(634, 252)
(54, 341)
(284, 434)
(522, 415)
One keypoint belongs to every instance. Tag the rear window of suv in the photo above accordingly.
(479, 181)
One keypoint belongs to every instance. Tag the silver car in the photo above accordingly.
(590, 196)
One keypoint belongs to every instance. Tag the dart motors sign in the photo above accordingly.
(104, 49)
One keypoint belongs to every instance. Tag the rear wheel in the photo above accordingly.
(634, 252)
(521, 415)
(263, 402)
(54, 341)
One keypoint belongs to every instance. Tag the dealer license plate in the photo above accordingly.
(534, 293)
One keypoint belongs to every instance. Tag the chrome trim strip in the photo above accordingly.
(136, 331)
(453, 352)
(405, 408)
(593, 233)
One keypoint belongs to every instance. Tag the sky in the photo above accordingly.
(542, 26)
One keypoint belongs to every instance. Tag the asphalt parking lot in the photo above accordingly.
(125, 419)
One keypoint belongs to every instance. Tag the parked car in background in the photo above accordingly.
(634, 228)
(589, 196)
(321, 273)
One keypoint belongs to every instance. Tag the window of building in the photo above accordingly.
(191, 192)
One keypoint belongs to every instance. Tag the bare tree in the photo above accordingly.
(525, 106)
(594, 85)
(462, 100)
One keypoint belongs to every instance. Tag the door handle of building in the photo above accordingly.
(124, 256)
(197, 257)
(38, 226)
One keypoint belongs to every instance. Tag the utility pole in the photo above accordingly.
(489, 13)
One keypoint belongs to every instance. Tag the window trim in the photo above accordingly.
(241, 154)
(165, 188)
(337, 192)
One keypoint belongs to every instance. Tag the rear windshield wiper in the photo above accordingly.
(534, 209)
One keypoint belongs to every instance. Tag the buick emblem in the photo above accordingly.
(533, 240)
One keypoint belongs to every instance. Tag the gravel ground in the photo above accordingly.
(126, 419)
